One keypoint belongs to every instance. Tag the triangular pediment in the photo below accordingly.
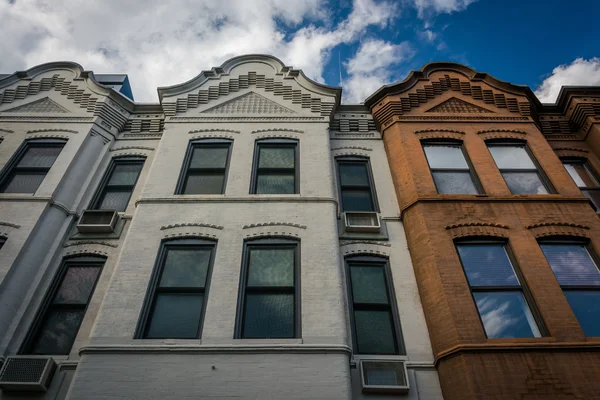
(456, 105)
(249, 103)
(44, 105)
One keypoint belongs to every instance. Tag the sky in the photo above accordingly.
(357, 44)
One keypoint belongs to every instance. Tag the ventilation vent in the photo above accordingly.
(27, 374)
(98, 221)
(384, 376)
(362, 222)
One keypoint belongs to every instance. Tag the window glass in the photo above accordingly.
(176, 315)
(204, 184)
(572, 264)
(274, 183)
(487, 265)
(357, 200)
(209, 157)
(58, 332)
(354, 174)
(118, 188)
(505, 315)
(454, 182)
(77, 285)
(24, 182)
(445, 156)
(368, 284)
(186, 267)
(524, 183)
(269, 316)
(374, 332)
(271, 267)
(511, 157)
(586, 306)
(40, 157)
(276, 157)
(205, 168)
(356, 190)
(581, 174)
(125, 174)
(114, 200)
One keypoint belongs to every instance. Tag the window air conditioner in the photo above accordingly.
(98, 221)
(384, 376)
(362, 221)
(27, 374)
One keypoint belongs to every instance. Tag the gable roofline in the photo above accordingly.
(225, 68)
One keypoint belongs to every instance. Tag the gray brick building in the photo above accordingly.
(244, 260)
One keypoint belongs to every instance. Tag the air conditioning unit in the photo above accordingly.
(98, 221)
(27, 374)
(360, 221)
(384, 376)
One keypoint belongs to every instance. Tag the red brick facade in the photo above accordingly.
(449, 101)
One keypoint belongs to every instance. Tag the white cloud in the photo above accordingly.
(580, 72)
(160, 43)
(427, 35)
(428, 7)
(370, 68)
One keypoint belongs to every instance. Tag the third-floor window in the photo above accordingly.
(118, 184)
(450, 169)
(518, 168)
(585, 178)
(275, 167)
(205, 167)
(356, 185)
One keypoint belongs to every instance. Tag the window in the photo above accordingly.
(577, 274)
(65, 306)
(28, 168)
(178, 290)
(372, 307)
(586, 179)
(205, 167)
(269, 296)
(518, 168)
(275, 169)
(356, 185)
(497, 291)
(118, 184)
(449, 167)
(2, 241)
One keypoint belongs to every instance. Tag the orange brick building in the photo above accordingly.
(504, 243)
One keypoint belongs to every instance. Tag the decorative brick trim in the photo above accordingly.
(87, 242)
(48, 136)
(188, 224)
(276, 136)
(261, 224)
(217, 130)
(546, 229)
(52, 130)
(6, 130)
(212, 136)
(131, 153)
(350, 153)
(440, 134)
(570, 152)
(272, 234)
(471, 229)
(571, 148)
(277, 130)
(356, 247)
(201, 235)
(502, 134)
(9, 224)
(352, 148)
(132, 147)
(86, 251)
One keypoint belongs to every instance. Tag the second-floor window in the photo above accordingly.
(275, 167)
(373, 316)
(28, 168)
(118, 184)
(356, 185)
(269, 295)
(205, 167)
(65, 307)
(449, 167)
(497, 291)
(585, 178)
(518, 168)
(578, 276)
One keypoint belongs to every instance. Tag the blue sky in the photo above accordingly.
(543, 44)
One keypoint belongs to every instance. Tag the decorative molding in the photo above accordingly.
(249, 103)
(6, 130)
(261, 224)
(49, 136)
(351, 154)
(471, 229)
(132, 147)
(86, 251)
(349, 242)
(44, 105)
(502, 134)
(142, 135)
(244, 119)
(438, 130)
(356, 247)
(397, 118)
(272, 234)
(571, 149)
(502, 131)
(45, 118)
(203, 235)
(188, 224)
(132, 153)
(277, 130)
(440, 134)
(355, 135)
(216, 130)
(87, 242)
(545, 229)
(352, 148)
(216, 136)
(52, 130)
(9, 224)
(276, 136)
(455, 105)
(283, 346)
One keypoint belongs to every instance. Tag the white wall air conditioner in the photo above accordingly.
(98, 221)
(361, 221)
(384, 376)
(27, 374)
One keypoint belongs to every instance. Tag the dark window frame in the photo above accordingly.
(11, 168)
(355, 160)
(103, 185)
(157, 271)
(274, 143)
(538, 168)
(269, 242)
(391, 294)
(3, 240)
(523, 286)
(470, 168)
(186, 169)
(591, 172)
(46, 305)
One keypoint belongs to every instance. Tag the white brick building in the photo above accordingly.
(231, 272)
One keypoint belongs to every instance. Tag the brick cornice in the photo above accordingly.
(545, 229)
